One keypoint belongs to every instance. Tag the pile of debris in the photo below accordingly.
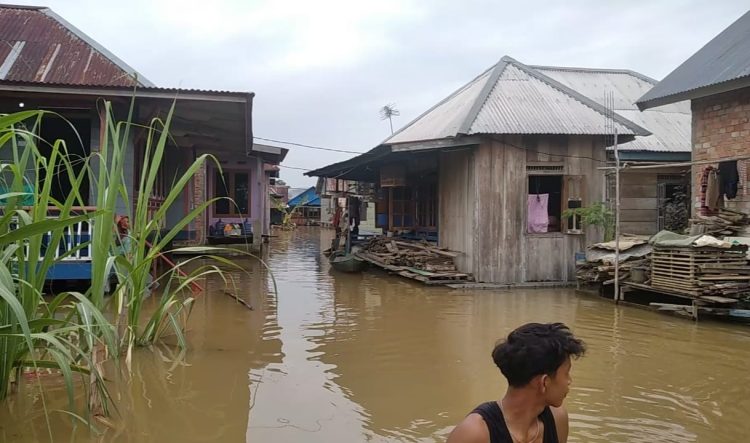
(417, 260)
(599, 265)
(725, 223)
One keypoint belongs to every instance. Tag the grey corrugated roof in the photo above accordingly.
(511, 98)
(723, 64)
(669, 125)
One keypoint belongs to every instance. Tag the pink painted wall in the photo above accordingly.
(258, 190)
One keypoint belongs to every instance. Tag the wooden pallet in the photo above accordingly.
(693, 271)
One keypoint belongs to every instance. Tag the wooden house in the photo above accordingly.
(50, 65)
(644, 193)
(305, 207)
(489, 171)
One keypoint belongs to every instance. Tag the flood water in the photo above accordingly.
(348, 358)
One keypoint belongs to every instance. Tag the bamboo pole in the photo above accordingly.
(617, 220)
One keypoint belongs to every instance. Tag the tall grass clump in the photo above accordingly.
(63, 333)
(73, 332)
(147, 240)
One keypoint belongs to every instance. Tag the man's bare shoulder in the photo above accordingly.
(561, 423)
(472, 429)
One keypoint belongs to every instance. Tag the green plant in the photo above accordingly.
(67, 332)
(598, 214)
(287, 212)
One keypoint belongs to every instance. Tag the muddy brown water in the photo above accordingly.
(348, 358)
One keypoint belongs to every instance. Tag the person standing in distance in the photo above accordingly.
(536, 360)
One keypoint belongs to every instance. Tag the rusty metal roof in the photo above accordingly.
(512, 98)
(670, 125)
(37, 45)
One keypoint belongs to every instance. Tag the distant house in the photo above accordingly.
(306, 207)
(490, 169)
(346, 194)
(46, 63)
(644, 193)
(716, 80)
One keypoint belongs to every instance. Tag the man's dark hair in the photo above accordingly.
(534, 349)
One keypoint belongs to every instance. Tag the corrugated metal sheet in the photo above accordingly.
(522, 104)
(119, 89)
(671, 132)
(444, 119)
(669, 125)
(511, 98)
(53, 51)
(726, 58)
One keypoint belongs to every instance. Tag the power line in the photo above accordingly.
(308, 146)
(294, 167)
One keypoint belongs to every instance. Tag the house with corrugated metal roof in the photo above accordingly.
(644, 193)
(716, 81)
(47, 63)
(490, 170)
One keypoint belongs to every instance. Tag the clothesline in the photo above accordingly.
(670, 165)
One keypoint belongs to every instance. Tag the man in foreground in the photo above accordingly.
(536, 360)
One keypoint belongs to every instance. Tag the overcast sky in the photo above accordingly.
(322, 69)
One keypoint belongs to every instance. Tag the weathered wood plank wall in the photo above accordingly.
(639, 199)
(483, 198)
(457, 205)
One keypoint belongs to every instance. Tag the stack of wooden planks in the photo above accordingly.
(701, 272)
(599, 265)
(604, 273)
(726, 223)
(416, 260)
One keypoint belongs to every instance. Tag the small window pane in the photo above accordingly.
(220, 190)
(241, 192)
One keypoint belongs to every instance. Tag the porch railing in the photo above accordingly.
(73, 236)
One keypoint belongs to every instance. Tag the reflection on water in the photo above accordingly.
(337, 357)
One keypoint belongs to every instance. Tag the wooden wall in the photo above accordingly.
(639, 199)
(483, 198)
(457, 205)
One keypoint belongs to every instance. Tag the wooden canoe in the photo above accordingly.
(347, 262)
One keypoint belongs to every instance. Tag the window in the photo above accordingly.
(544, 210)
(403, 207)
(236, 186)
(426, 197)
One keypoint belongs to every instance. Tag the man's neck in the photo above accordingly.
(521, 407)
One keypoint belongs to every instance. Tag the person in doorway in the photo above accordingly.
(536, 361)
(337, 219)
(122, 239)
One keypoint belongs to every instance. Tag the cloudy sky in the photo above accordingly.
(321, 69)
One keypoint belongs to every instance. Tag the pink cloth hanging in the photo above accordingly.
(538, 220)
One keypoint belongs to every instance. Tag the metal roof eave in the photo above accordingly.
(645, 102)
(128, 91)
(339, 169)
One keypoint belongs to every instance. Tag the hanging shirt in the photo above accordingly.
(538, 219)
(728, 179)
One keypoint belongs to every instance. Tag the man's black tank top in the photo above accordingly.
(499, 433)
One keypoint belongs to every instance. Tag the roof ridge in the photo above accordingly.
(603, 70)
(140, 79)
(30, 7)
(637, 130)
(484, 94)
(435, 106)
